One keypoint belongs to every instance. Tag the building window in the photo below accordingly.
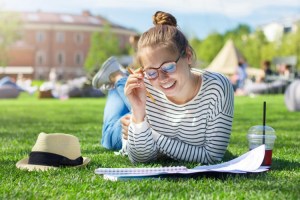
(40, 36)
(60, 37)
(60, 58)
(40, 58)
(78, 58)
(78, 38)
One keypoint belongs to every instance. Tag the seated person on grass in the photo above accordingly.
(188, 115)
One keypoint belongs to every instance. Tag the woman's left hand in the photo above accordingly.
(125, 121)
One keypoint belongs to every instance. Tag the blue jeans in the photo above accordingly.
(117, 105)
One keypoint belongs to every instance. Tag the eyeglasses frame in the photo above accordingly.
(158, 69)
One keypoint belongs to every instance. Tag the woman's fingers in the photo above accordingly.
(134, 81)
(125, 121)
(125, 134)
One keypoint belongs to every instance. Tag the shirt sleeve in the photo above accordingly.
(141, 146)
(217, 139)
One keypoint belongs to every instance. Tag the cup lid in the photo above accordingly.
(259, 130)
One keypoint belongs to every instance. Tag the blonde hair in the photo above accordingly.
(165, 34)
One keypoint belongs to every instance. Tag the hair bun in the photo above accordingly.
(164, 18)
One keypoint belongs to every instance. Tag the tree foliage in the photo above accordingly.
(103, 45)
(10, 32)
(208, 48)
(252, 44)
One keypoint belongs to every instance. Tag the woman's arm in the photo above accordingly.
(140, 145)
(216, 141)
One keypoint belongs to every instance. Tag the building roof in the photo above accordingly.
(85, 18)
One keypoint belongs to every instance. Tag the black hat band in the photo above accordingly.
(51, 159)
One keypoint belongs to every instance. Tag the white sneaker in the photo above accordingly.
(123, 151)
(105, 87)
(101, 78)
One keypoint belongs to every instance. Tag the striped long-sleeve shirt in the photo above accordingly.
(197, 131)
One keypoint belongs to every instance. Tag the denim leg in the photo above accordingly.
(116, 107)
(120, 84)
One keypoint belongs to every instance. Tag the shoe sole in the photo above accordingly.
(101, 72)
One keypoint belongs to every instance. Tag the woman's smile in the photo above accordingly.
(168, 85)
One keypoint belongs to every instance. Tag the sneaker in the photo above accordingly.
(101, 78)
(123, 151)
(105, 87)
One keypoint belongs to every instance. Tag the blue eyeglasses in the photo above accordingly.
(167, 68)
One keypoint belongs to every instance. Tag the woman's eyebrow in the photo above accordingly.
(159, 66)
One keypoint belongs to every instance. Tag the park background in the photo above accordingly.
(25, 116)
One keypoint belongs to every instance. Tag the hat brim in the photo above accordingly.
(23, 164)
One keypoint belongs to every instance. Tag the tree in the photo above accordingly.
(10, 32)
(237, 34)
(196, 43)
(103, 45)
(209, 47)
(290, 45)
(252, 48)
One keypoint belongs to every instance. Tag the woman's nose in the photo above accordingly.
(162, 75)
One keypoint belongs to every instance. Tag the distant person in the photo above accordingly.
(292, 96)
(241, 76)
(285, 71)
(53, 76)
(7, 81)
(21, 84)
(26, 84)
(266, 67)
(191, 116)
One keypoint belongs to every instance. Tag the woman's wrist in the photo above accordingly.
(138, 118)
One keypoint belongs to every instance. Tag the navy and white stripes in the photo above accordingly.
(197, 131)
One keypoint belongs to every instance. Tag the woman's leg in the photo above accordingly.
(116, 107)
(119, 85)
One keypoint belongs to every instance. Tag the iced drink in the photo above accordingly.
(258, 135)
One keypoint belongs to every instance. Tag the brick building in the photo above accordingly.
(57, 40)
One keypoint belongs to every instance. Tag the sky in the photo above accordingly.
(196, 18)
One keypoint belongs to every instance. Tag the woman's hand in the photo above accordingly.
(125, 121)
(135, 90)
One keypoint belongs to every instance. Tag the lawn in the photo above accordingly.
(23, 119)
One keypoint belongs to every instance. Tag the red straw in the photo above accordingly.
(264, 122)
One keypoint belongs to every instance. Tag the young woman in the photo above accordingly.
(192, 114)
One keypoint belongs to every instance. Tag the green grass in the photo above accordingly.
(23, 119)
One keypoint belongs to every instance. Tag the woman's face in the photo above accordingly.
(175, 84)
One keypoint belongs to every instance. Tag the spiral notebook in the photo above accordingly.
(146, 170)
(249, 162)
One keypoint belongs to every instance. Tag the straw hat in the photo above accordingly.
(52, 151)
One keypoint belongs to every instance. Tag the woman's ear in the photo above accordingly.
(189, 55)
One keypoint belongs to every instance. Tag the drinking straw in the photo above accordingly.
(264, 122)
(148, 93)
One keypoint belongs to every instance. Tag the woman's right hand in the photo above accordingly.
(135, 90)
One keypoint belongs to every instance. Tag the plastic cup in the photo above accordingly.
(256, 137)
